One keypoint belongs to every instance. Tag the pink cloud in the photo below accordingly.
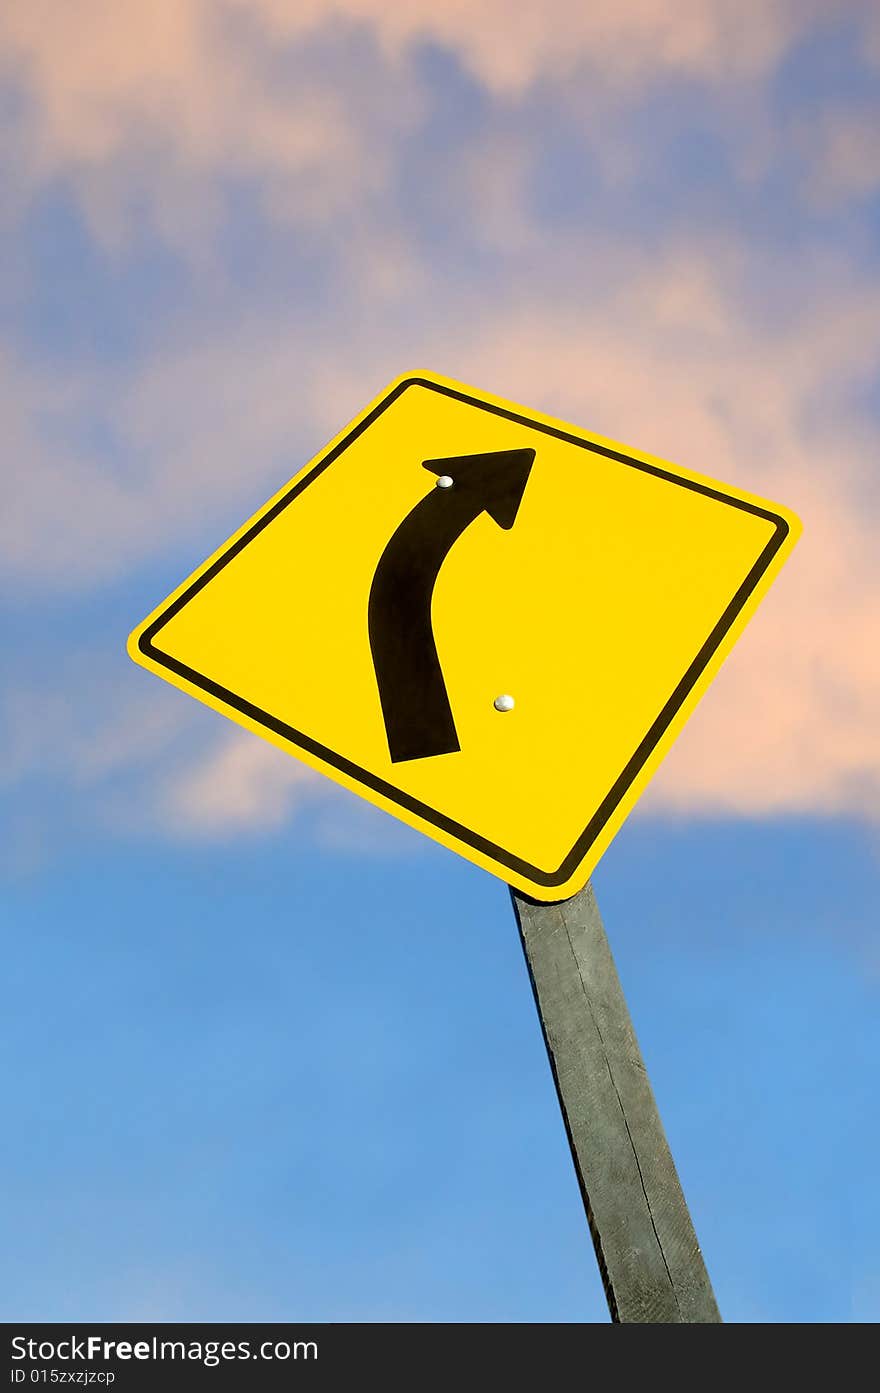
(140, 109)
(662, 354)
(844, 159)
(102, 78)
(509, 47)
(242, 783)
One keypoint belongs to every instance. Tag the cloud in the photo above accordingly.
(142, 106)
(790, 725)
(104, 468)
(509, 47)
(203, 69)
(124, 753)
(140, 110)
(83, 722)
(244, 783)
(714, 350)
(845, 159)
(83, 745)
(155, 119)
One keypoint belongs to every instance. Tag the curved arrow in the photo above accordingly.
(415, 704)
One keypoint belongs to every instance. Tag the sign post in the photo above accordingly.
(493, 625)
(651, 1265)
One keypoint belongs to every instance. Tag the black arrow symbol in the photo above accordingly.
(415, 704)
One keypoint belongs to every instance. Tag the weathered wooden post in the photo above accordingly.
(647, 1250)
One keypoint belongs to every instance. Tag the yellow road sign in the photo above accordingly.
(485, 621)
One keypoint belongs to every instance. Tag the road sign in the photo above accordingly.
(487, 622)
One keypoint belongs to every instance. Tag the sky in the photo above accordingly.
(269, 1054)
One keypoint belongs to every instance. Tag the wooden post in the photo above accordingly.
(648, 1254)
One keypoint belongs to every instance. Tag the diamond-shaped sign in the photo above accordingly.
(485, 621)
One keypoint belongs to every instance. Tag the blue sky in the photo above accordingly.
(270, 1055)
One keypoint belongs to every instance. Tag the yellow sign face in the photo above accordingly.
(486, 622)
